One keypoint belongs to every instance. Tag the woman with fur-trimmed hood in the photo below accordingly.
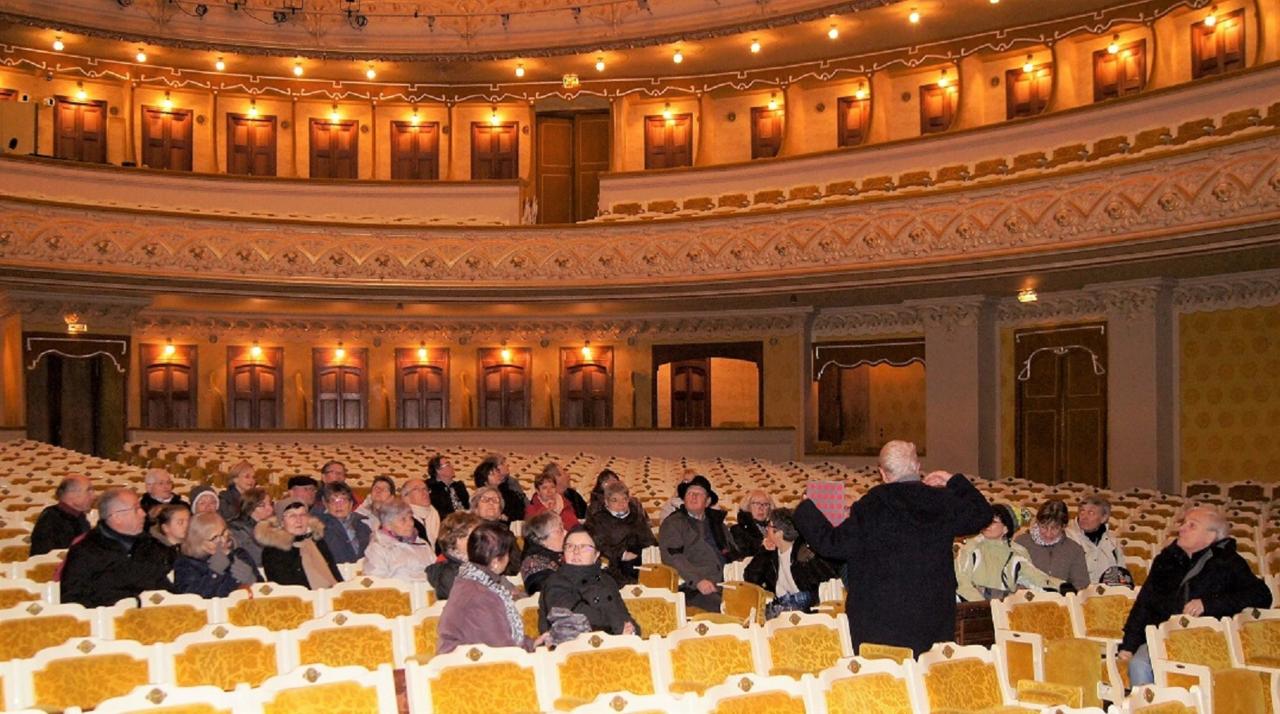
(293, 549)
(990, 565)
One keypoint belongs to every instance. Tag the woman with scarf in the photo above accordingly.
(622, 532)
(454, 532)
(580, 586)
(990, 565)
(1050, 548)
(481, 608)
(293, 549)
(396, 551)
(211, 565)
(543, 550)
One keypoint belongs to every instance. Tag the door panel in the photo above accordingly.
(1062, 404)
(334, 149)
(495, 151)
(251, 145)
(668, 143)
(415, 151)
(766, 132)
(691, 394)
(80, 130)
(555, 170)
(166, 139)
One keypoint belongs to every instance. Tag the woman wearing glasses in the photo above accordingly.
(581, 586)
(211, 565)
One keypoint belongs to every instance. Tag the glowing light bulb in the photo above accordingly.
(506, 354)
(995, 2)
(255, 351)
(860, 93)
(414, 118)
(1027, 295)
(167, 102)
(141, 56)
(834, 32)
(520, 70)
(370, 72)
(599, 64)
(80, 93)
(422, 353)
(220, 65)
(1212, 18)
(493, 117)
(586, 351)
(253, 108)
(339, 353)
(58, 46)
(773, 101)
(1114, 47)
(678, 57)
(1029, 66)
(170, 350)
(333, 114)
(297, 69)
(666, 111)
(914, 17)
(944, 80)
(755, 47)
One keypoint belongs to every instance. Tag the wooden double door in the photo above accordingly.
(573, 150)
(1062, 404)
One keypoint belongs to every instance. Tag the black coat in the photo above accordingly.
(615, 536)
(441, 575)
(748, 535)
(1225, 585)
(193, 575)
(576, 500)
(897, 543)
(513, 502)
(281, 561)
(440, 500)
(807, 569)
(55, 529)
(101, 570)
(587, 590)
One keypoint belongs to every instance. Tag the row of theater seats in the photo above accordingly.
(1198, 132)
(1234, 663)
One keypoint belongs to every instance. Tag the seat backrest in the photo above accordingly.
(593, 664)
(1258, 634)
(162, 617)
(423, 630)
(751, 694)
(383, 596)
(27, 628)
(446, 684)
(743, 601)
(702, 655)
(169, 699)
(797, 644)
(964, 678)
(1044, 614)
(14, 591)
(1191, 640)
(1102, 611)
(657, 611)
(275, 607)
(657, 575)
(344, 639)
(224, 656)
(861, 686)
(315, 689)
(83, 672)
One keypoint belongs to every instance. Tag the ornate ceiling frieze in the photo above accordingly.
(1051, 307)
(1228, 292)
(876, 320)
(51, 310)
(1207, 193)
(1136, 298)
(543, 330)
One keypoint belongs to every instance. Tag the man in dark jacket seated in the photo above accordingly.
(787, 567)
(1199, 574)
(64, 521)
(897, 544)
(116, 559)
(695, 541)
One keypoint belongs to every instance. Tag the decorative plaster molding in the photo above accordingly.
(99, 312)
(950, 313)
(1045, 215)
(866, 321)
(468, 330)
(1132, 299)
(1064, 306)
(1228, 292)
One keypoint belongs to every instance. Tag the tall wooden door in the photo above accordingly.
(80, 130)
(766, 132)
(691, 394)
(169, 386)
(335, 149)
(854, 116)
(495, 151)
(573, 150)
(415, 151)
(586, 387)
(166, 138)
(1062, 404)
(1219, 47)
(251, 145)
(255, 388)
(75, 391)
(1120, 74)
(422, 388)
(1027, 93)
(504, 387)
(937, 108)
(668, 143)
(341, 388)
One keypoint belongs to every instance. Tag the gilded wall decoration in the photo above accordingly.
(1055, 214)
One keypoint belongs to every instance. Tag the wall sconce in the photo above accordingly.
(505, 353)
(414, 118)
(833, 32)
(370, 73)
(1114, 47)
(58, 45)
(339, 352)
(81, 95)
(1211, 19)
(678, 57)
(141, 56)
(944, 80)
(773, 101)
(169, 350)
(1026, 295)
(220, 65)
(167, 102)
(422, 352)
(666, 112)
(334, 116)
(600, 63)
(255, 351)
(1029, 66)
(74, 326)
(860, 93)
(755, 47)
(253, 109)
(914, 17)
(493, 116)
(297, 68)
(520, 69)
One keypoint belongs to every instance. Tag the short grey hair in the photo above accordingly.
(898, 460)
(153, 475)
(538, 528)
(1098, 502)
(393, 509)
(108, 501)
(1214, 519)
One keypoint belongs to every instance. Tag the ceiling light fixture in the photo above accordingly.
(1114, 47)
(1027, 295)
(600, 64)
(220, 65)
(297, 68)
(1028, 66)
(833, 32)
(141, 56)
(914, 17)
(520, 70)
(58, 46)
(678, 57)
(755, 47)
(370, 73)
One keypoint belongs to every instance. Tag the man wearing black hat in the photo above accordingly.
(695, 542)
(304, 488)
(897, 543)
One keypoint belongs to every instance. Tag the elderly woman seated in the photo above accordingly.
(211, 565)
(621, 531)
(580, 586)
(990, 565)
(547, 499)
(753, 520)
(787, 567)
(487, 503)
(481, 608)
(1050, 548)
(454, 531)
(543, 546)
(395, 550)
(293, 548)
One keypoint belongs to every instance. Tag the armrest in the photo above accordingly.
(1049, 694)
(1020, 656)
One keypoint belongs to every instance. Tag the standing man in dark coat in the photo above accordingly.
(897, 542)
(1199, 574)
(116, 559)
(64, 521)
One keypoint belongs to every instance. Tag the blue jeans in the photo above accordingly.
(1140, 672)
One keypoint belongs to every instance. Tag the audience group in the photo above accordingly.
(893, 548)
